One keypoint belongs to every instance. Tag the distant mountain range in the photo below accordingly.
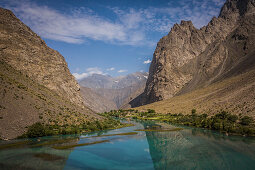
(111, 93)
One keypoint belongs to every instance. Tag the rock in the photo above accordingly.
(27, 52)
(189, 58)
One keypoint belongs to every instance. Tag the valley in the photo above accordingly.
(71, 95)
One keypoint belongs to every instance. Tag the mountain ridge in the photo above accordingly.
(188, 58)
(117, 90)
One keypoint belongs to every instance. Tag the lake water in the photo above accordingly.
(189, 148)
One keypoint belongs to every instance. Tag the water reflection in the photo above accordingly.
(189, 148)
(28, 157)
(194, 148)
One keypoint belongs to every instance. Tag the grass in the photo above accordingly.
(39, 130)
(15, 144)
(55, 142)
(118, 134)
(48, 157)
(160, 130)
(78, 145)
(222, 121)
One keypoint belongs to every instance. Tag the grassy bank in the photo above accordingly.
(39, 130)
(223, 121)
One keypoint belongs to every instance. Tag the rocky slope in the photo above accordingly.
(234, 95)
(25, 51)
(35, 82)
(110, 93)
(96, 102)
(25, 102)
(189, 58)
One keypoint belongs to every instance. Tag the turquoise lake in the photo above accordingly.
(190, 148)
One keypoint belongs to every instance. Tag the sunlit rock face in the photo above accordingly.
(27, 52)
(189, 58)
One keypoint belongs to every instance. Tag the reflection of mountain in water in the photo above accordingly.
(199, 149)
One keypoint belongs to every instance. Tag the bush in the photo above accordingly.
(151, 111)
(36, 130)
(233, 118)
(246, 120)
(193, 111)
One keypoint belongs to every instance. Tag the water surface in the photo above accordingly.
(189, 148)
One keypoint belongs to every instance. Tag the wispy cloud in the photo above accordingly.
(89, 72)
(110, 69)
(130, 26)
(147, 61)
(122, 71)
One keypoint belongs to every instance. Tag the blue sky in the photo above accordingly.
(114, 37)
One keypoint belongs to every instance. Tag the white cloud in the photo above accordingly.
(147, 61)
(219, 2)
(130, 26)
(79, 27)
(89, 72)
(110, 69)
(122, 71)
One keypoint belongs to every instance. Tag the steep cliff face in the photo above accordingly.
(27, 52)
(189, 58)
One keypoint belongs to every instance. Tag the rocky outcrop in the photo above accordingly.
(25, 51)
(189, 58)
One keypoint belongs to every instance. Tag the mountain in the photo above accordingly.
(112, 92)
(96, 102)
(189, 59)
(25, 51)
(98, 81)
(35, 82)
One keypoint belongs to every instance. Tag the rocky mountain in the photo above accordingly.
(188, 58)
(25, 51)
(96, 102)
(35, 82)
(98, 81)
(112, 92)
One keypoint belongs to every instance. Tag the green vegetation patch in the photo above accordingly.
(48, 157)
(15, 144)
(55, 142)
(39, 130)
(160, 130)
(77, 145)
(223, 121)
(118, 134)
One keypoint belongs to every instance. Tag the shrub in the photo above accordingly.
(36, 130)
(233, 118)
(151, 111)
(246, 120)
(193, 111)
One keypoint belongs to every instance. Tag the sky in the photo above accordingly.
(111, 37)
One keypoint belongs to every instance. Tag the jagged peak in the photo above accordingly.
(183, 25)
(186, 23)
(240, 7)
